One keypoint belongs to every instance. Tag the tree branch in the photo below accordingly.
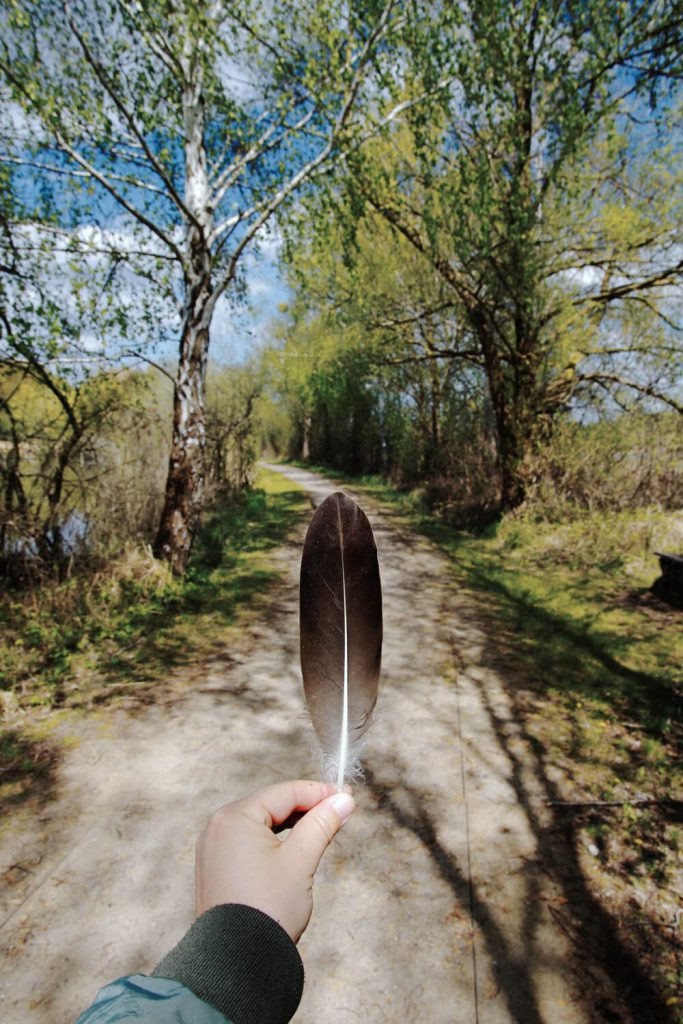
(625, 290)
(72, 173)
(121, 199)
(312, 165)
(165, 55)
(103, 79)
(157, 366)
(264, 145)
(605, 379)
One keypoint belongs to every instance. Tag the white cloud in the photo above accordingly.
(240, 322)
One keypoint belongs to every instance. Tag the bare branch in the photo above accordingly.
(70, 172)
(121, 199)
(157, 366)
(33, 368)
(605, 379)
(630, 287)
(424, 314)
(472, 356)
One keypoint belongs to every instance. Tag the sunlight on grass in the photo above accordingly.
(138, 629)
(579, 612)
(571, 622)
(229, 575)
(593, 666)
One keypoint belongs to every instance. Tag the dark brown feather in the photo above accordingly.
(339, 551)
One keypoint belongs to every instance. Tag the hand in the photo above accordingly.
(240, 860)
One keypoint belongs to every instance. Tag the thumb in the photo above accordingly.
(313, 834)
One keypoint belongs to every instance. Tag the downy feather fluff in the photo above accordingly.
(341, 630)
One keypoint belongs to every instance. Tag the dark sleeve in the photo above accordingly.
(242, 962)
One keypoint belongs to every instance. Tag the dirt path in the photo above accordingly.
(433, 905)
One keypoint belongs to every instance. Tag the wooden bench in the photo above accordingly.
(669, 585)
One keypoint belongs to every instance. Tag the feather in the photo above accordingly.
(341, 629)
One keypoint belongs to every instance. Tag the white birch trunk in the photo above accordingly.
(185, 481)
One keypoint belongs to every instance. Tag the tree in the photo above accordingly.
(49, 434)
(494, 187)
(193, 123)
(63, 389)
(366, 365)
(232, 397)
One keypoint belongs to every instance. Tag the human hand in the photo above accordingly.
(240, 860)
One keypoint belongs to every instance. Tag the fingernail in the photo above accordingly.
(344, 805)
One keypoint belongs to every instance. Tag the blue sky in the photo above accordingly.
(238, 327)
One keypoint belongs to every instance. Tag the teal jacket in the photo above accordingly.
(235, 964)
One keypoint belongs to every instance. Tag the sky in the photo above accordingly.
(237, 328)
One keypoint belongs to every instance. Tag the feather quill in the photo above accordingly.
(341, 630)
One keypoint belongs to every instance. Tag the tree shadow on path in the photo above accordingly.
(512, 974)
(614, 985)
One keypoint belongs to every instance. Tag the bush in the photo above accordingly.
(616, 540)
(634, 461)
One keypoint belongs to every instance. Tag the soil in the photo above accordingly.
(453, 896)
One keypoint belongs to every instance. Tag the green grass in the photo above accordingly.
(134, 630)
(27, 765)
(230, 572)
(572, 604)
(593, 664)
(596, 660)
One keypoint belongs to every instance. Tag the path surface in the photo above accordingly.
(433, 904)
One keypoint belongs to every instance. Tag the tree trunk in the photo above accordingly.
(185, 480)
(306, 436)
(51, 542)
(513, 448)
(513, 389)
(186, 468)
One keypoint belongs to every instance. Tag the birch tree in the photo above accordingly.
(189, 125)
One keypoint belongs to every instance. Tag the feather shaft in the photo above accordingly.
(344, 738)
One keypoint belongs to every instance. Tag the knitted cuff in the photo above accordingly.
(242, 962)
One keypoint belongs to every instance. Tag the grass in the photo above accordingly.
(573, 604)
(579, 620)
(134, 631)
(230, 573)
(594, 667)
(573, 620)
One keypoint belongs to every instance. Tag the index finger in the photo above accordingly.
(274, 804)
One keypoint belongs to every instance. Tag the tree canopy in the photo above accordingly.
(482, 203)
(539, 181)
(188, 125)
